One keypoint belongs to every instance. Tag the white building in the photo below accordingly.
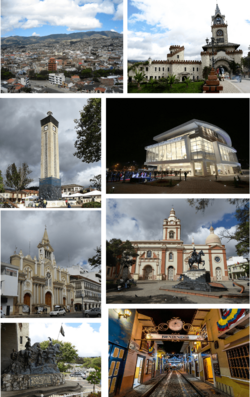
(9, 287)
(24, 81)
(87, 288)
(57, 79)
(224, 53)
(235, 265)
(197, 147)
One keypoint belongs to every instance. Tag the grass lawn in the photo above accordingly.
(195, 87)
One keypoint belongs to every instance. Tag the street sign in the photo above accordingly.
(175, 337)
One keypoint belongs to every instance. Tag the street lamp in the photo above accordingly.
(126, 314)
(212, 42)
(83, 310)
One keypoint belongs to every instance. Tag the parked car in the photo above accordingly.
(76, 374)
(59, 311)
(94, 312)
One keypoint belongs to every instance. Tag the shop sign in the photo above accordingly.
(133, 345)
(175, 337)
(10, 272)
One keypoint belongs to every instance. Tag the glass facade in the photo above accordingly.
(228, 154)
(202, 149)
(167, 151)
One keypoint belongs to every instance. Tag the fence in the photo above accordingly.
(79, 394)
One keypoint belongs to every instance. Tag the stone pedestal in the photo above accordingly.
(198, 280)
(212, 85)
(56, 204)
(24, 382)
(50, 188)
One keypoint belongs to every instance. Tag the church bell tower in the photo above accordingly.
(50, 182)
(172, 228)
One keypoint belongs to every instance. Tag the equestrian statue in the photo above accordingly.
(196, 258)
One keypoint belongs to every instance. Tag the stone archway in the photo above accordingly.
(148, 272)
(48, 299)
(222, 62)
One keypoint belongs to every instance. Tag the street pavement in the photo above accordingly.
(205, 184)
(43, 315)
(174, 385)
(152, 292)
(243, 86)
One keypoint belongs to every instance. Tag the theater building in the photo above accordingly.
(167, 259)
(197, 147)
(42, 284)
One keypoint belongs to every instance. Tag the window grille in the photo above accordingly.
(238, 360)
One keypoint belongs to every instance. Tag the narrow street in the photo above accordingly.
(174, 385)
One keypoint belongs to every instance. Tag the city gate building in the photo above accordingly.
(225, 52)
(41, 283)
(197, 147)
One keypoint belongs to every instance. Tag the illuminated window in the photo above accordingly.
(238, 360)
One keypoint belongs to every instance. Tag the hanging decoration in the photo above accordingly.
(229, 318)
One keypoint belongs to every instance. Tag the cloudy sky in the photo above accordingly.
(73, 235)
(44, 17)
(84, 336)
(136, 219)
(155, 25)
(20, 137)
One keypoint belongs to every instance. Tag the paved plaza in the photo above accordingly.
(236, 87)
(153, 292)
(207, 185)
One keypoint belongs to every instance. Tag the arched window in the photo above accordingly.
(171, 234)
(149, 254)
(170, 256)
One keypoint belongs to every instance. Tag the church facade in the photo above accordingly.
(167, 259)
(41, 283)
(224, 53)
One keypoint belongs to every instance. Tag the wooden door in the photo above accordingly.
(26, 299)
(148, 273)
(218, 274)
(170, 273)
(48, 300)
(64, 301)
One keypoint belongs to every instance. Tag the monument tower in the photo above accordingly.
(50, 182)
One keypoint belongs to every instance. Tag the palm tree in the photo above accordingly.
(171, 79)
(187, 81)
(139, 77)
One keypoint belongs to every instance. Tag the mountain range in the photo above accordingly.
(23, 40)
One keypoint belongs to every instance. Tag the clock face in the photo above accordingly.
(219, 33)
(54, 128)
(48, 275)
(175, 324)
(45, 128)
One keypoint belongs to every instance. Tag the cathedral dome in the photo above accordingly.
(212, 238)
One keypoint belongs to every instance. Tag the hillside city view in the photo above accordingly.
(90, 62)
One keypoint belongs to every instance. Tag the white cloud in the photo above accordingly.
(184, 23)
(75, 14)
(119, 12)
(35, 34)
(87, 341)
(112, 30)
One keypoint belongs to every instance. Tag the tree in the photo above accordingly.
(87, 362)
(96, 182)
(96, 362)
(206, 71)
(94, 377)
(241, 234)
(88, 128)
(187, 81)
(1, 183)
(69, 353)
(96, 260)
(171, 79)
(18, 178)
(122, 253)
(139, 77)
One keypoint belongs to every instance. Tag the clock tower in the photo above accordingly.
(219, 27)
(50, 182)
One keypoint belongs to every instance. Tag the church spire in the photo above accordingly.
(45, 236)
(217, 10)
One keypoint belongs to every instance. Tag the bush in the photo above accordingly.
(91, 204)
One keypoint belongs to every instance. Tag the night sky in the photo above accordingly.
(132, 123)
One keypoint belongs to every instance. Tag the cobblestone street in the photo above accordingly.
(174, 385)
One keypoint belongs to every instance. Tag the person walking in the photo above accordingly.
(222, 74)
(44, 203)
(185, 174)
